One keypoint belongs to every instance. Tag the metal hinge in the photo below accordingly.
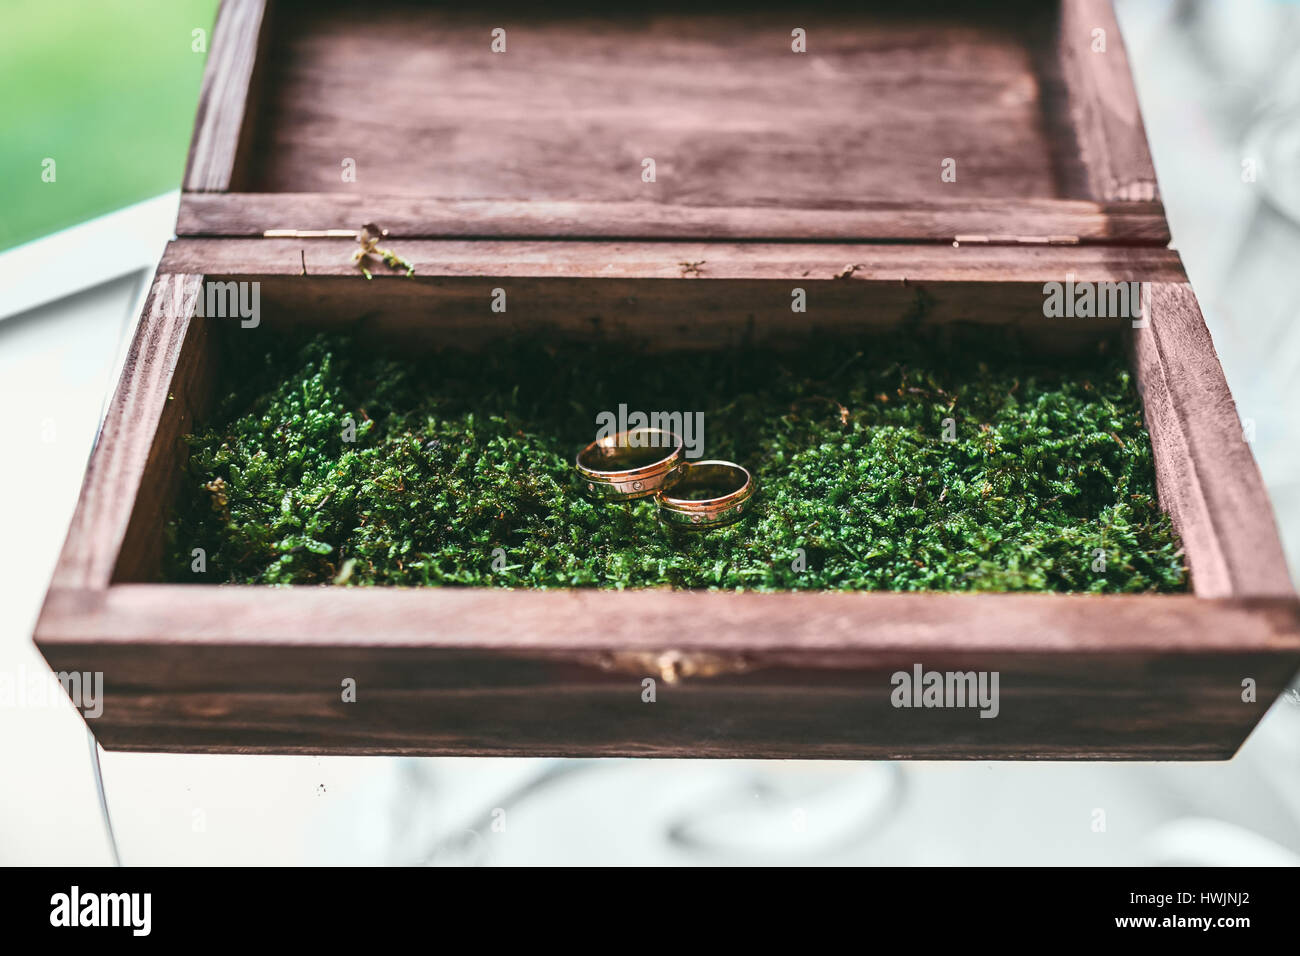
(309, 234)
(1016, 240)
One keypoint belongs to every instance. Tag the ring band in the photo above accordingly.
(633, 464)
(699, 514)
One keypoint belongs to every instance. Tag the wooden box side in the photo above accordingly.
(1069, 111)
(452, 671)
(1103, 102)
(227, 97)
(134, 453)
(1206, 475)
(747, 675)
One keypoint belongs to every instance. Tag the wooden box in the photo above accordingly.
(524, 168)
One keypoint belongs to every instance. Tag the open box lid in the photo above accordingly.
(1007, 123)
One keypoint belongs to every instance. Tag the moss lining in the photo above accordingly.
(457, 455)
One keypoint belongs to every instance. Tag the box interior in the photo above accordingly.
(711, 92)
(427, 316)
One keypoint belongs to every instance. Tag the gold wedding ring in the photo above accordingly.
(640, 462)
(632, 464)
(706, 494)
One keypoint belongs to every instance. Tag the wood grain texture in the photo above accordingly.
(635, 292)
(750, 139)
(1206, 476)
(848, 138)
(449, 671)
(129, 438)
(525, 258)
(1107, 119)
(192, 388)
(414, 94)
(1002, 221)
(224, 98)
(658, 315)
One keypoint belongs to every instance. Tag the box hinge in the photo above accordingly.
(1016, 240)
(309, 234)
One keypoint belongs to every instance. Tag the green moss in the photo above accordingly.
(457, 455)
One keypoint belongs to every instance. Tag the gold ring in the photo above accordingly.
(728, 485)
(632, 464)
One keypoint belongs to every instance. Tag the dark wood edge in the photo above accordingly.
(578, 259)
(127, 437)
(1206, 475)
(1104, 105)
(1003, 221)
(224, 97)
(821, 629)
(447, 671)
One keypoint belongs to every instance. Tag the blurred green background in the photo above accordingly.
(107, 89)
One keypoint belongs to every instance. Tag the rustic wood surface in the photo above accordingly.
(225, 111)
(718, 295)
(668, 316)
(250, 215)
(1103, 103)
(130, 436)
(1206, 476)
(193, 388)
(846, 140)
(730, 114)
(449, 671)
(865, 262)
